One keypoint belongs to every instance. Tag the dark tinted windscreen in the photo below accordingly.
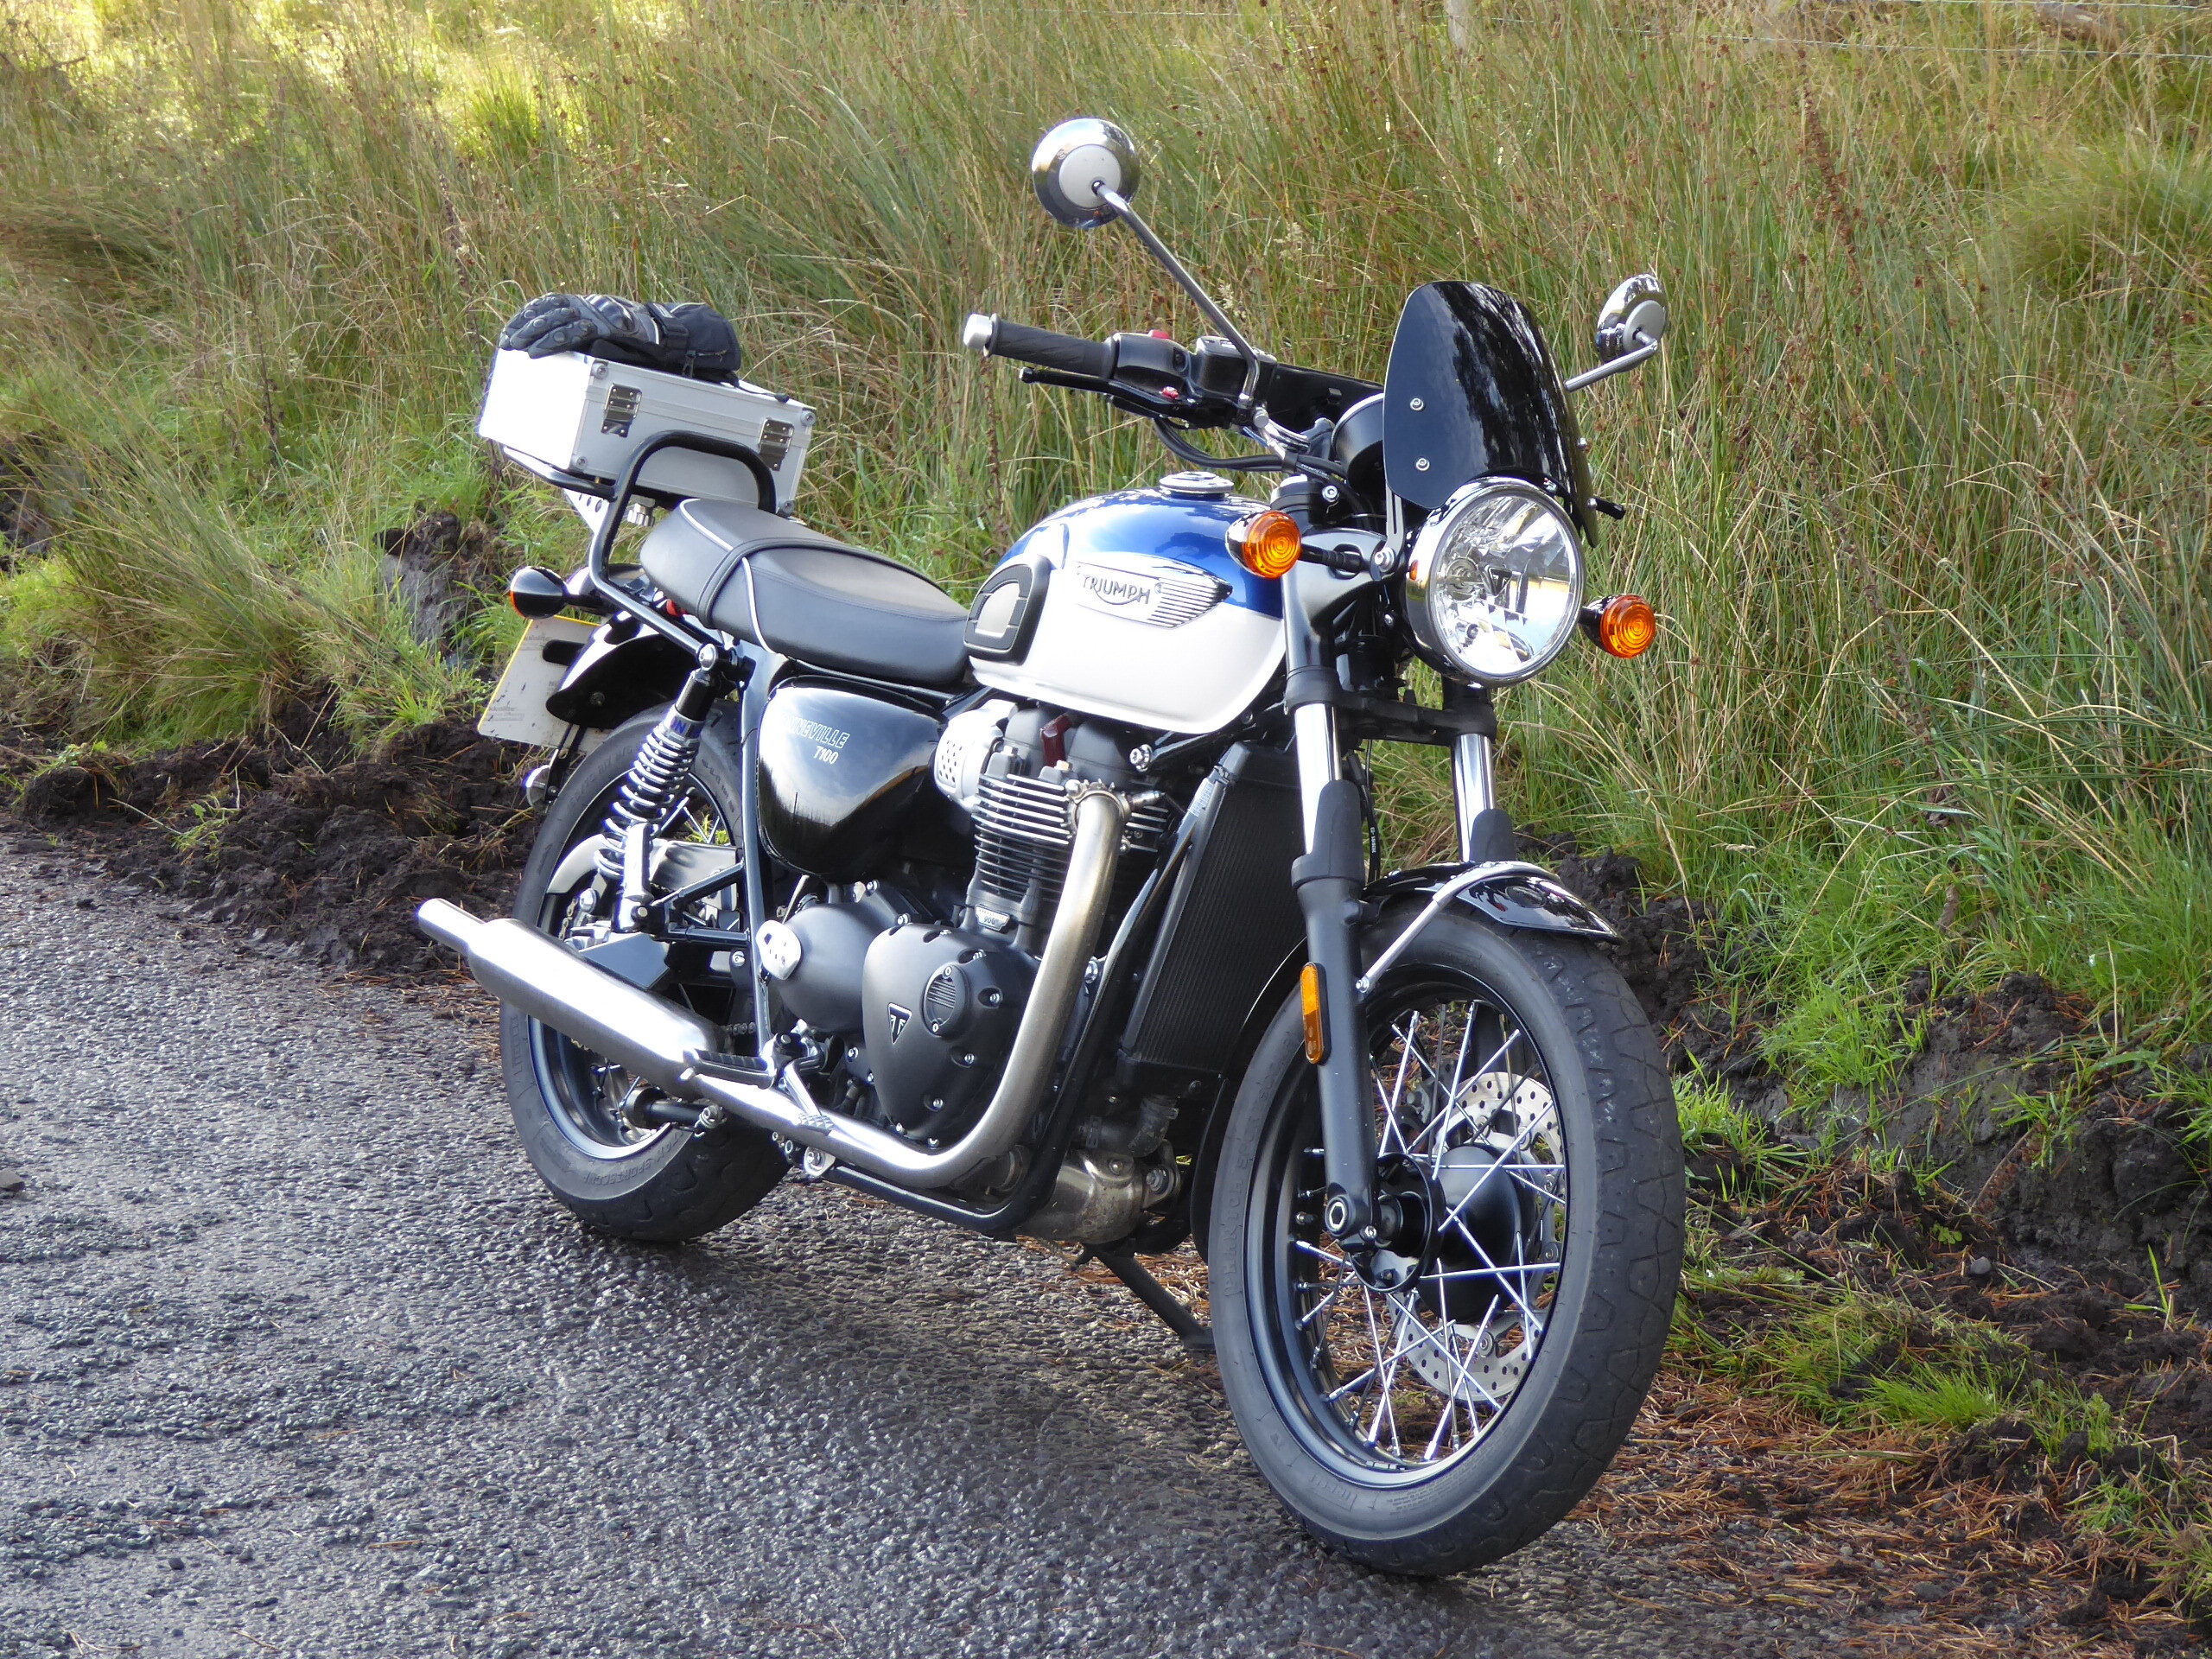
(1471, 393)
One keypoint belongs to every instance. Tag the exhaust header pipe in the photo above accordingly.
(677, 1052)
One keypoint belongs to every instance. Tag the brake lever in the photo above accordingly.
(1125, 398)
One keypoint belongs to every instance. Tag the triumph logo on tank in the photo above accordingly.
(1137, 587)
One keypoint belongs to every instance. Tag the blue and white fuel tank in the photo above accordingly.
(1131, 606)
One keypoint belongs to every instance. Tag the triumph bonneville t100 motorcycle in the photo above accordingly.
(1061, 914)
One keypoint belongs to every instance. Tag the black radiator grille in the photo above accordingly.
(1231, 922)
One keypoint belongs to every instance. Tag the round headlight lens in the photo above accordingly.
(1494, 588)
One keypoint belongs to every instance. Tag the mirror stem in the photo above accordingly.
(1214, 313)
(1643, 353)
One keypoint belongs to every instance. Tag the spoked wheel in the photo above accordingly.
(584, 1122)
(597, 1104)
(1410, 1364)
(1443, 1400)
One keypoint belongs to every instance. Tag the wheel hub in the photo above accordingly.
(1407, 1205)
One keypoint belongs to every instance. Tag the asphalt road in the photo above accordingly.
(296, 1358)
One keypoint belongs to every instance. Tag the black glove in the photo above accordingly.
(689, 340)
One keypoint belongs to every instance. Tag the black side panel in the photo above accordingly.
(1231, 918)
(839, 773)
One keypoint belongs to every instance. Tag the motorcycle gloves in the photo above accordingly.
(694, 340)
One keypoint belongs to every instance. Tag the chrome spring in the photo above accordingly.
(655, 783)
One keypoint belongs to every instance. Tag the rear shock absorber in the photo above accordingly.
(656, 782)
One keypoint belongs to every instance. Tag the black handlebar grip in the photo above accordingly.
(1067, 354)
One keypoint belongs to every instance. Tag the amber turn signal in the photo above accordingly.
(1267, 543)
(1309, 1000)
(536, 592)
(1626, 626)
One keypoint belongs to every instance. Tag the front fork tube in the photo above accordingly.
(1328, 879)
(1486, 831)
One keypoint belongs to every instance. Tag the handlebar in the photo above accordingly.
(1180, 388)
(1093, 360)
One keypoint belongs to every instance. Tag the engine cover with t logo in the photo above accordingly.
(938, 1011)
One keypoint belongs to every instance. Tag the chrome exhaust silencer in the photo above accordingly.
(677, 1052)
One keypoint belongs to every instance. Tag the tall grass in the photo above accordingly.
(1919, 484)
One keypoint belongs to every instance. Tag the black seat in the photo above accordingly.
(801, 593)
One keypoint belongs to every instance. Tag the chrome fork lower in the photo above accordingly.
(1474, 787)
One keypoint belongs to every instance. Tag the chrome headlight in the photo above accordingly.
(1494, 587)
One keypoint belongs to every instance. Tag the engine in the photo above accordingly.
(915, 1004)
(1013, 769)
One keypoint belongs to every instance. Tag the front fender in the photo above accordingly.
(1515, 895)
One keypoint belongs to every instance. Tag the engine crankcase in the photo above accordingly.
(939, 1010)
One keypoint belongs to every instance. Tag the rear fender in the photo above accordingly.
(614, 677)
(1524, 897)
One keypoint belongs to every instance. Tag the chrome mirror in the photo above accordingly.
(1630, 324)
(1634, 315)
(1074, 161)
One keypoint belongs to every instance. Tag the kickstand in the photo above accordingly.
(1197, 1339)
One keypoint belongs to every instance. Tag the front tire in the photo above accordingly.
(1527, 1126)
(660, 1184)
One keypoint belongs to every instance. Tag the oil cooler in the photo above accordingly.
(1230, 924)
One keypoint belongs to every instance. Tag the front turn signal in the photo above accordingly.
(1309, 1002)
(1267, 543)
(1624, 626)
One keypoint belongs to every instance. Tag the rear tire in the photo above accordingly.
(662, 1185)
(1485, 1417)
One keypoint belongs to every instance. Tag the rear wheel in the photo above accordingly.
(1446, 1402)
(580, 1118)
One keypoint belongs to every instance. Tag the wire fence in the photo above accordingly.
(2055, 14)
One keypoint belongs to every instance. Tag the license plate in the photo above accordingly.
(516, 713)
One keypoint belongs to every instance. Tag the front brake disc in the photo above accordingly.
(1513, 1117)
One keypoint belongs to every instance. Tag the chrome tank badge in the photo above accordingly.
(1140, 588)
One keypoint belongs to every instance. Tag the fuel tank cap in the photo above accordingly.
(1203, 486)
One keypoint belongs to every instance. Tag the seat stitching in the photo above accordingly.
(697, 523)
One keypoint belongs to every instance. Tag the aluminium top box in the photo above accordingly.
(584, 417)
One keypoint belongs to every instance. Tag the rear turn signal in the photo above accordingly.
(1625, 625)
(1309, 1000)
(1267, 545)
(535, 592)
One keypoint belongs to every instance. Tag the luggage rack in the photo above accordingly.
(626, 489)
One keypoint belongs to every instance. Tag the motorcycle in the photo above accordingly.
(1061, 914)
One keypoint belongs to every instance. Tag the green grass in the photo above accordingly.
(1864, 1363)
(1920, 483)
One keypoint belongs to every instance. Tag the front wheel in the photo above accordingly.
(1457, 1398)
